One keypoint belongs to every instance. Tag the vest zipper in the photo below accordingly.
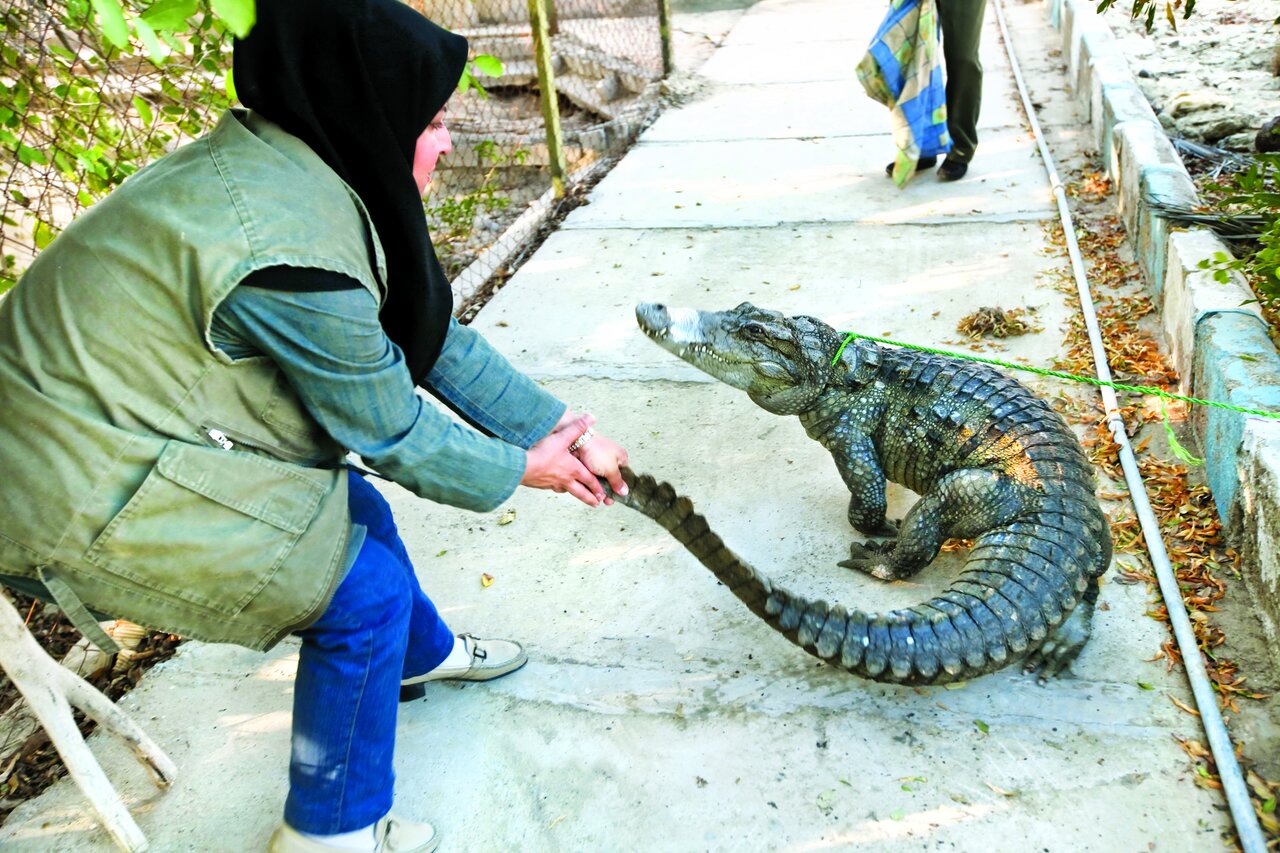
(228, 439)
(219, 438)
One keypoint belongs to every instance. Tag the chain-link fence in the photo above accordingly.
(78, 116)
(603, 58)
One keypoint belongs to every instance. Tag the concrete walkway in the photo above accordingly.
(657, 713)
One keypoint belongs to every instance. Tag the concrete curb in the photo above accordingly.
(1219, 345)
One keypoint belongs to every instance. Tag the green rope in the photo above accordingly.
(1174, 445)
(1178, 450)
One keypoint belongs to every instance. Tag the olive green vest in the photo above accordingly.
(145, 474)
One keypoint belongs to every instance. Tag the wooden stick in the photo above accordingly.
(51, 691)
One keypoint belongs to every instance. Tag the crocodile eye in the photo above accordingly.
(753, 330)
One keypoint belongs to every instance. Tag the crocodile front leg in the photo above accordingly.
(860, 469)
(963, 503)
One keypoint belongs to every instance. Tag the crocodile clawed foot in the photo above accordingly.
(870, 558)
(1063, 645)
(888, 529)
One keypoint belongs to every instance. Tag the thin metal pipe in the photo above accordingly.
(1233, 784)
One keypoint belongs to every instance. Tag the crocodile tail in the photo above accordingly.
(1016, 587)
(675, 514)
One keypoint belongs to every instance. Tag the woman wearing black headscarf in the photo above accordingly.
(192, 359)
(365, 90)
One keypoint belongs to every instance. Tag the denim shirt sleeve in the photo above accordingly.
(473, 379)
(354, 382)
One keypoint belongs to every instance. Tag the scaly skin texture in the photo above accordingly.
(990, 460)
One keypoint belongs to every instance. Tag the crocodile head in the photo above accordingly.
(783, 363)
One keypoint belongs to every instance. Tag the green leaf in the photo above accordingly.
(468, 81)
(148, 38)
(42, 234)
(1145, 686)
(111, 19)
(1269, 806)
(229, 83)
(982, 727)
(169, 15)
(239, 15)
(171, 40)
(898, 814)
(144, 109)
(490, 66)
(56, 49)
(31, 156)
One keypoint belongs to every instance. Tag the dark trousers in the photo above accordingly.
(961, 22)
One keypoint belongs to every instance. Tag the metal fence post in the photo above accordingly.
(664, 33)
(547, 83)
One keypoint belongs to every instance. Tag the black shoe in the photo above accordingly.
(952, 170)
(922, 163)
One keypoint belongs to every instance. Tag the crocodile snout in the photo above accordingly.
(673, 327)
(653, 318)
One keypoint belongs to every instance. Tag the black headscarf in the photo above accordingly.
(358, 81)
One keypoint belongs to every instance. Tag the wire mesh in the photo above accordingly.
(489, 194)
(77, 116)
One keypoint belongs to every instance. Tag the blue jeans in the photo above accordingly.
(379, 628)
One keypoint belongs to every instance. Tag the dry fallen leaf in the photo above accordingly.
(507, 517)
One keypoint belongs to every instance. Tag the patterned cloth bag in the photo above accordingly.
(903, 70)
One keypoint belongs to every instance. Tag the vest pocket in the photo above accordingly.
(209, 527)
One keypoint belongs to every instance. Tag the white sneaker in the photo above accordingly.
(392, 835)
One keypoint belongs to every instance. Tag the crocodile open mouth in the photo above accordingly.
(704, 352)
(681, 332)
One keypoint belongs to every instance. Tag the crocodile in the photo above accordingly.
(991, 461)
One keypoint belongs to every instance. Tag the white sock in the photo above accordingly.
(361, 840)
(459, 658)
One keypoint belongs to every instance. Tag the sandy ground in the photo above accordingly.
(1211, 79)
